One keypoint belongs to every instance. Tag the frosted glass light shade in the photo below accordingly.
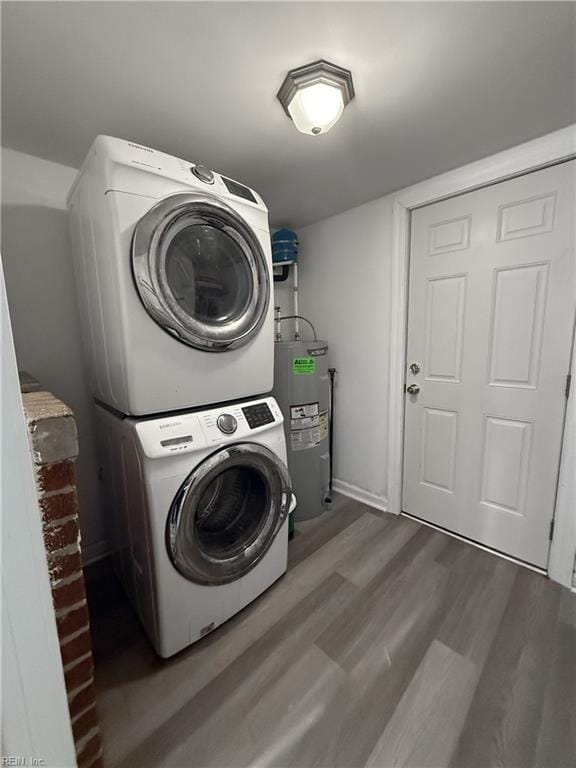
(316, 108)
(314, 96)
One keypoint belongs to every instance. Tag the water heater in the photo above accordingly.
(302, 390)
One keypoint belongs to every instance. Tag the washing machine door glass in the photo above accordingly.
(227, 514)
(201, 272)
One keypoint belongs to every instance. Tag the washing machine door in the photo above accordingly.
(227, 513)
(201, 272)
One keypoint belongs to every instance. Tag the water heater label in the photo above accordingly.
(303, 365)
(304, 439)
(304, 415)
(318, 352)
(304, 426)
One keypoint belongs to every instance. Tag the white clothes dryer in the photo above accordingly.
(174, 274)
(198, 508)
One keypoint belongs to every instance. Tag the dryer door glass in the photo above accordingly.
(201, 272)
(227, 514)
(208, 275)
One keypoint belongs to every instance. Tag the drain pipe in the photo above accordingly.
(277, 310)
(331, 374)
(296, 320)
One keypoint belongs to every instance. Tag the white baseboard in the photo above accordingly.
(360, 494)
(96, 551)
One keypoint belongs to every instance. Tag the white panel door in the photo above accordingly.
(491, 312)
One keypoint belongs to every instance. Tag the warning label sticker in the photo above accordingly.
(304, 365)
(304, 426)
(304, 415)
(303, 439)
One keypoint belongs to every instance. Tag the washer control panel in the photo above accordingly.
(215, 423)
(258, 415)
(198, 430)
(168, 435)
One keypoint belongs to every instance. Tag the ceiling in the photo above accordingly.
(437, 85)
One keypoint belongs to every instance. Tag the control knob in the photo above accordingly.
(203, 173)
(227, 423)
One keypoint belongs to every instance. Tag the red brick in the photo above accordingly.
(63, 565)
(53, 477)
(72, 621)
(82, 700)
(68, 594)
(79, 674)
(60, 536)
(76, 648)
(85, 723)
(58, 506)
(91, 751)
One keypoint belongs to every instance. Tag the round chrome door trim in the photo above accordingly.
(184, 548)
(152, 237)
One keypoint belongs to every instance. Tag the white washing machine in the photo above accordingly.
(174, 275)
(198, 506)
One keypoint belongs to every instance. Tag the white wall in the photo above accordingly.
(35, 718)
(344, 285)
(346, 271)
(37, 260)
(284, 298)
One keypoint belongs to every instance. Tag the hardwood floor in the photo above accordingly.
(386, 644)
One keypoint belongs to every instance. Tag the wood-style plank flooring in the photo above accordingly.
(386, 644)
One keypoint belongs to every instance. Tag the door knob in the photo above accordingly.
(413, 389)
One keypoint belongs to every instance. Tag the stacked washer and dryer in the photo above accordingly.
(174, 278)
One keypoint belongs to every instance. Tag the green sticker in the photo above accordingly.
(304, 365)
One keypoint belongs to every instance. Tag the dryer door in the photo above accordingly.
(227, 512)
(201, 272)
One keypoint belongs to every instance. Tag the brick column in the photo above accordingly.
(54, 445)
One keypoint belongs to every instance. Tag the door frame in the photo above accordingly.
(540, 153)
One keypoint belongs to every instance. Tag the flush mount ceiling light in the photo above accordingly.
(314, 96)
